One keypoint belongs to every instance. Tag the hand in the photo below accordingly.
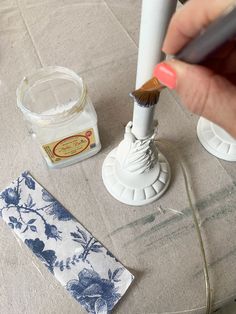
(208, 90)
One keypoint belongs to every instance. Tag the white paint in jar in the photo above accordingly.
(59, 115)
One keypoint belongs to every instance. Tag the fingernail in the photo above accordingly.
(166, 75)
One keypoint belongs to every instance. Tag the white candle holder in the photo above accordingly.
(216, 140)
(136, 173)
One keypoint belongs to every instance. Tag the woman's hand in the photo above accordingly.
(208, 90)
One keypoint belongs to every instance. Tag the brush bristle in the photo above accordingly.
(148, 94)
(145, 99)
(153, 83)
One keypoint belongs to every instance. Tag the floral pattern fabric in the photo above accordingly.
(89, 272)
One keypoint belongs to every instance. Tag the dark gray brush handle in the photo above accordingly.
(213, 37)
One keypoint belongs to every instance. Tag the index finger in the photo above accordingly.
(188, 21)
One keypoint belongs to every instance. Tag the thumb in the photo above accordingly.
(201, 91)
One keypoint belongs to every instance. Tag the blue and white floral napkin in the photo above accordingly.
(91, 274)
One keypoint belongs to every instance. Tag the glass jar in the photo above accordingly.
(59, 115)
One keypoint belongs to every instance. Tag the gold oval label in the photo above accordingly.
(71, 146)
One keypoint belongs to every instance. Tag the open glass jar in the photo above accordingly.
(59, 115)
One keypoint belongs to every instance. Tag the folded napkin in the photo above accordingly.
(89, 272)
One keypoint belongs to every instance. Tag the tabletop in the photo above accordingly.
(157, 242)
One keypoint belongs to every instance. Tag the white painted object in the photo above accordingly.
(216, 140)
(136, 173)
(59, 115)
(155, 18)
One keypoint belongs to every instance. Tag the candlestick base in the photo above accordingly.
(136, 173)
(216, 140)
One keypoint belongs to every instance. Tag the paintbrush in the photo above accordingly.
(195, 52)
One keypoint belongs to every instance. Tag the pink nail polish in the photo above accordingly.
(166, 75)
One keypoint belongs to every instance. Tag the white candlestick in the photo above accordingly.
(155, 18)
(136, 172)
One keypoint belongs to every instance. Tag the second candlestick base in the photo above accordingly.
(216, 140)
(136, 173)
